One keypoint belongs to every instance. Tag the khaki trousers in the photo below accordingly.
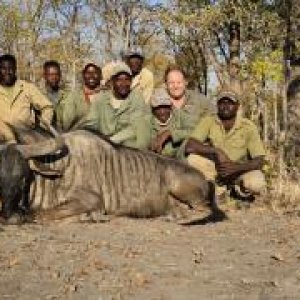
(253, 181)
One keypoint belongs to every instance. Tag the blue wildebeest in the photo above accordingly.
(81, 172)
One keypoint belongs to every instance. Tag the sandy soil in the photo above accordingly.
(254, 255)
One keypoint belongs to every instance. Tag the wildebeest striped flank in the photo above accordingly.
(96, 175)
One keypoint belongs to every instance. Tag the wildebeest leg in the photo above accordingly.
(216, 213)
(24, 205)
(73, 207)
(177, 211)
(191, 189)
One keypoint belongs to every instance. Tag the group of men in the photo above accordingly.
(120, 102)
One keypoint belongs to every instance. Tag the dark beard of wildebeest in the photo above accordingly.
(97, 175)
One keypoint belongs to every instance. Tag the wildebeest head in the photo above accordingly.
(15, 170)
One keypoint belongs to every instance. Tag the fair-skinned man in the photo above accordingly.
(176, 87)
(188, 106)
(220, 146)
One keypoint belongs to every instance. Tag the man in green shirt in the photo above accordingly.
(78, 102)
(228, 148)
(162, 121)
(54, 90)
(189, 107)
(119, 112)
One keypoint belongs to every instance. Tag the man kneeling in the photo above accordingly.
(227, 148)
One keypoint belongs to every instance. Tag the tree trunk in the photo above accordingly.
(234, 45)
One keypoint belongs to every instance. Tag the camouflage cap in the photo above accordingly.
(160, 97)
(120, 67)
(228, 94)
(137, 51)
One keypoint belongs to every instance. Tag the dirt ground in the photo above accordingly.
(253, 255)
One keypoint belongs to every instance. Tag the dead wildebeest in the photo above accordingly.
(80, 172)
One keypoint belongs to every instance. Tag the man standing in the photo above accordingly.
(78, 102)
(220, 147)
(20, 101)
(54, 90)
(119, 112)
(142, 78)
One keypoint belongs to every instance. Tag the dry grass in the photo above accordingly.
(283, 193)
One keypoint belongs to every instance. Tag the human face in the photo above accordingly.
(227, 109)
(8, 75)
(135, 63)
(91, 77)
(52, 77)
(121, 84)
(176, 84)
(162, 113)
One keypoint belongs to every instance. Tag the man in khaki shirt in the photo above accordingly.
(227, 147)
(20, 101)
(142, 78)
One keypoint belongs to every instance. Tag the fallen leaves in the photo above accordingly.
(198, 255)
(13, 261)
(140, 279)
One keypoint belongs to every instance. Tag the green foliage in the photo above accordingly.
(270, 66)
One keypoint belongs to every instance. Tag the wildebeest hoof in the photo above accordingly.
(14, 219)
(94, 217)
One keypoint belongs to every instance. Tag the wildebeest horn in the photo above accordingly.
(4, 146)
(50, 128)
(42, 148)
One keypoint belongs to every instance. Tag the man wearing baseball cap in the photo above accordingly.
(163, 122)
(142, 78)
(227, 148)
(119, 113)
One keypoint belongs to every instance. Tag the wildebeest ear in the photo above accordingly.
(42, 169)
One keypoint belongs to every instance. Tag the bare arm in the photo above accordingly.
(232, 169)
(193, 146)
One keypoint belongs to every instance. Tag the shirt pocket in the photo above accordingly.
(23, 111)
(238, 144)
(216, 138)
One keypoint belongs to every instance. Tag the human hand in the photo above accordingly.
(221, 156)
(227, 169)
(191, 146)
(158, 143)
